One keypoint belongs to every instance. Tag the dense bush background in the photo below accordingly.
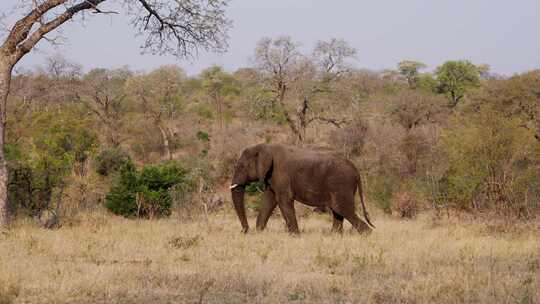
(459, 138)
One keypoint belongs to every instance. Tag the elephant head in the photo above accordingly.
(255, 164)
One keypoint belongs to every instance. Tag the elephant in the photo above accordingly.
(320, 179)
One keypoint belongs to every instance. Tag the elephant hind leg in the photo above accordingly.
(358, 224)
(337, 225)
(344, 206)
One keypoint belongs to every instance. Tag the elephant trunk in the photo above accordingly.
(238, 201)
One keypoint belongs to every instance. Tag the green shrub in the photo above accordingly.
(145, 193)
(110, 161)
(254, 192)
(203, 136)
(254, 188)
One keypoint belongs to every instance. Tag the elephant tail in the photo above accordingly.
(361, 193)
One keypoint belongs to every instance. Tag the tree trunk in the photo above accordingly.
(302, 120)
(298, 138)
(5, 81)
(165, 137)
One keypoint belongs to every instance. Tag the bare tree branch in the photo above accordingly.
(181, 27)
(336, 122)
(22, 28)
(175, 27)
(46, 28)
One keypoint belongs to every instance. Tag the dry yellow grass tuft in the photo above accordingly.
(105, 259)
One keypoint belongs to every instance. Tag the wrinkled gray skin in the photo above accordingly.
(314, 178)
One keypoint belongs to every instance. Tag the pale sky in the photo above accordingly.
(501, 33)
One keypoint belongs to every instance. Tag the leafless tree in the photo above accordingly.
(178, 27)
(296, 77)
(104, 95)
(330, 65)
(58, 67)
(277, 60)
(332, 56)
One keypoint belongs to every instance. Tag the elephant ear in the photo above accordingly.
(264, 163)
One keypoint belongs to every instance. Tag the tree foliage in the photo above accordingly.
(456, 78)
(411, 71)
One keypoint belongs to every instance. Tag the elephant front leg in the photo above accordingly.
(288, 212)
(268, 206)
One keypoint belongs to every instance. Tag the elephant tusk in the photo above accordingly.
(233, 186)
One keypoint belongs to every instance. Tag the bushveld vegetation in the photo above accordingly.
(459, 148)
(459, 138)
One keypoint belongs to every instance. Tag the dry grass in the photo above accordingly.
(104, 259)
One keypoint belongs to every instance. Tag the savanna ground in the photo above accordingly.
(103, 259)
